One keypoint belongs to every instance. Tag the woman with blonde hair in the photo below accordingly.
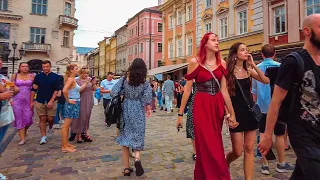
(86, 104)
(71, 92)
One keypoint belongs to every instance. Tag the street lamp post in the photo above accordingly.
(14, 58)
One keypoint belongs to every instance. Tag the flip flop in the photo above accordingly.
(68, 151)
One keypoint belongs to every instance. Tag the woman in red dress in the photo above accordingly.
(209, 109)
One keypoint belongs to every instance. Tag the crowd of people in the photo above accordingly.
(213, 91)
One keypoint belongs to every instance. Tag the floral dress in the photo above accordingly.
(133, 120)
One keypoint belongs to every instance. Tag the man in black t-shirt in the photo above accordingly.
(304, 126)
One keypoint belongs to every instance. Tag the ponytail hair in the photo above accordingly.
(67, 74)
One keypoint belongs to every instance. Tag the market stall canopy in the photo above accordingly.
(167, 69)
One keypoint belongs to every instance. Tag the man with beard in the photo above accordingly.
(304, 126)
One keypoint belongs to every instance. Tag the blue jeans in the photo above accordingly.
(160, 100)
(3, 131)
(59, 111)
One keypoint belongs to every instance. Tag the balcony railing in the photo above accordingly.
(69, 21)
(27, 46)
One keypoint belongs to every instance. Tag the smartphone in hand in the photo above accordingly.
(93, 77)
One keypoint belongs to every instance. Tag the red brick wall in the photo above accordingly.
(282, 39)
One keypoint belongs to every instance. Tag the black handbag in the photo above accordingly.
(113, 109)
(255, 109)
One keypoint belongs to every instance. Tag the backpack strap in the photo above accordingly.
(296, 85)
(300, 61)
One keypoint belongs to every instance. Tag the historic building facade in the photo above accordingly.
(121, 52)
(233, 21)
(179, 31)
(283, 23)
(40, 30)
(144, 33)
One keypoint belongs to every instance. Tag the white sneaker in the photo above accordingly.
(43, 140)
(56, 126)
(2, 177)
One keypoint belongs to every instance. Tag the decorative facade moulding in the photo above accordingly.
(170, 38)
(206, 16)
(271, 1)
(10, 16)
(186, 1)
(222, 10)
(178, 35)
(240, 3)
(189, 32)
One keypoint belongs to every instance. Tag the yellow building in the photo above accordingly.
(96, 58)
(233, 21)
(108, 56)
(102, 60)
(113, 51)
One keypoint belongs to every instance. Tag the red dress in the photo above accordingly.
(208, 112)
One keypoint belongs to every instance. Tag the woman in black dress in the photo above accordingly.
(244, 135)
(189, 123)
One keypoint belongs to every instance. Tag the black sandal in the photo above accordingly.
(139, 168)
(72, 137)
(194, 156)
(127, 173)
(86, 138)
(79, 140)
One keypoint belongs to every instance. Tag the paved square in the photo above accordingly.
(167, 154)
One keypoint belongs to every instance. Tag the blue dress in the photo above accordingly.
(133, 120)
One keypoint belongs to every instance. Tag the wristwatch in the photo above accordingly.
(180, 114)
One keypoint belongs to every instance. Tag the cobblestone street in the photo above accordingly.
(167, 154)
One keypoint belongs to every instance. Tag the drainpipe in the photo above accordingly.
(138, 36)
(150, 40)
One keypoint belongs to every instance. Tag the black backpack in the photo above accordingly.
(113, 110)
(288, 106)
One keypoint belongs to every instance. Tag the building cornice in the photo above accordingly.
(121, 29)
(222, 10)
(10, 16)
(166, 5)
(241, 36)
(240, 3)
(156, 11)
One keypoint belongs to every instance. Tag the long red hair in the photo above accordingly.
(202, 53)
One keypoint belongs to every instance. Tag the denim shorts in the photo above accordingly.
(71, 111)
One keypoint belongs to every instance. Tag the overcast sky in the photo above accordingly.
(100, 18)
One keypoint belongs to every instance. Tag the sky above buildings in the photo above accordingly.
(100, 18)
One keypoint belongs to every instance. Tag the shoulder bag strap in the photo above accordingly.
(214, 77)
(244, 96)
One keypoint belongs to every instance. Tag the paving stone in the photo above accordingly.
(33, 178)
(280, 176)
(166, 155)
(177, 160)
(69, 172)
(20, 175)
(61, 169)
(169, 166)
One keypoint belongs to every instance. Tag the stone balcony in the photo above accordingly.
(68, 21)
(36, 47)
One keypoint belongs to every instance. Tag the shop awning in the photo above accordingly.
(167, 69)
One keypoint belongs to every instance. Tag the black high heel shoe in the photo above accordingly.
(127, 173)
(72, 136)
